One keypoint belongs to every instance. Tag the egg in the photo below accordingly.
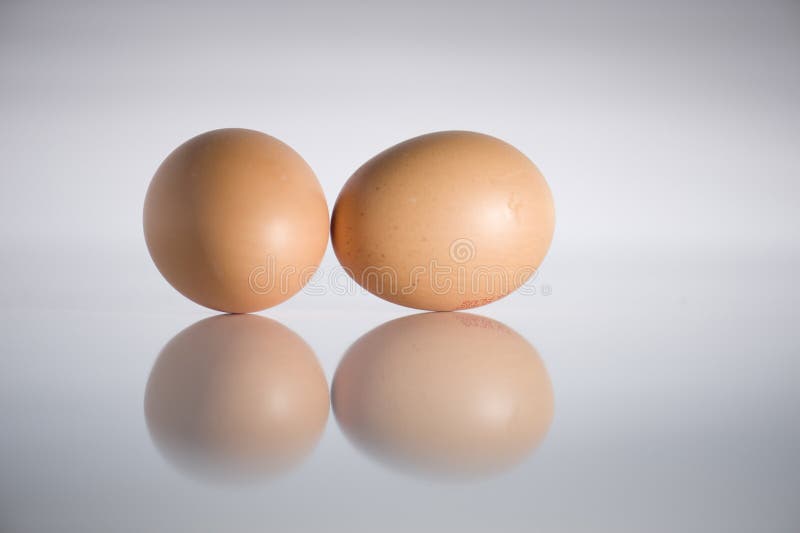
(236, 397)
(450, 395)
(446, 221)
(236, 220)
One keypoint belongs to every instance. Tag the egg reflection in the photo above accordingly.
(446, 394)
(236, 397)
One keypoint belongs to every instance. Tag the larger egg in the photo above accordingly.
(445, 221)
(236, 220)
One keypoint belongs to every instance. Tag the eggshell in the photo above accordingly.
(235, 220)
(236, 397)
(445, 394)
(445, 221)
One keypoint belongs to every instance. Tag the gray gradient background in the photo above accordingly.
(669, 134)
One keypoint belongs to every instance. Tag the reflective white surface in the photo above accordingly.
(675, 400)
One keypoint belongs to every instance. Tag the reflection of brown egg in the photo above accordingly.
(235, 220)
(239, 396)
(447, 393)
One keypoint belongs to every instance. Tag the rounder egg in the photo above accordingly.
(445, 221)
(236, 220)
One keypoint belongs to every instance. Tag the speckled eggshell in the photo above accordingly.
(445, 221)
(236, 220)
(450, 394)
(236, 396)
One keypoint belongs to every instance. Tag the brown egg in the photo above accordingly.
(235, 220)
(445, 221)
(449, 394)
(236, 397)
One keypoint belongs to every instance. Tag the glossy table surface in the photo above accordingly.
(673, 385)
